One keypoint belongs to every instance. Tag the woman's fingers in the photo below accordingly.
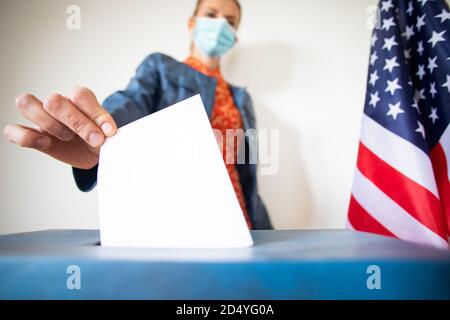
(70, 130)
(65, 118)
(65, 112)
(27, 137)
(85, 100)
(75, 152)
(31, 108)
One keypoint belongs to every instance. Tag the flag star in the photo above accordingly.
(374, 78)
(407, 54)
(420, 22)
(420, 48)
(447, 84)
(410, 8)
(392, 86)
(395, 110)
(421, 73)
(436, 37)
(386, 5)
(421, 129)
(374, 99)
(432, 64)
(415, 105)
(373, 58)
(388, 23)
(423, 2)
(419, 94)
(391, 64)
(374, 39)
(433, 90)
(444, 16)
(389, 43)
(409, 32)
(433, 116)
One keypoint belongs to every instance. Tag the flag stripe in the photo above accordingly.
(399, 154)
(441, 168)
(391, 215)
(412, 197)
(445, 144)
(361, 220)
(349, 225)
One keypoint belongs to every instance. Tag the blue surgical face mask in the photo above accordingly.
(214, 36)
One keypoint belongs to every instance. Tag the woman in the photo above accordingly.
(73, 129)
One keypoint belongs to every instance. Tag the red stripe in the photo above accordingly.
(361, 220)
(411, 196)
(440, 167)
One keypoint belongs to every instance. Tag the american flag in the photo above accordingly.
(401, 186)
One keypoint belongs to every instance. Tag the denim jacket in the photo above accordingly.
(161, 81)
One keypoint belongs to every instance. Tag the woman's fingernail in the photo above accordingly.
(43, 142)
(95, 139)
(67, 135)
(6, 131)
(107, 128)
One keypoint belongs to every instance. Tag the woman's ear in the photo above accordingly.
(191, 24)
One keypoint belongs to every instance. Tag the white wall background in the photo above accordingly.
(304, 62)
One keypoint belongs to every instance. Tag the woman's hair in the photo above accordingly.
(199, 2)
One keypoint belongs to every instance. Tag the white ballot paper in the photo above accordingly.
(162, 183)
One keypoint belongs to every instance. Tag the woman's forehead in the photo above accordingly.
(225, 7)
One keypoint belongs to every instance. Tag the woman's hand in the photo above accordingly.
(68, 129)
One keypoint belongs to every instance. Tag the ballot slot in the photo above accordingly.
(93, 244)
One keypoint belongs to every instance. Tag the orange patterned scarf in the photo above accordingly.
(225, 116)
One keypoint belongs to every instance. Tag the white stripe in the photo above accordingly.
(348, 225)
(445, 143)
(399, 153)
(393, 217)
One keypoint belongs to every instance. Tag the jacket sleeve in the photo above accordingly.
(126, 106)
(248, 176)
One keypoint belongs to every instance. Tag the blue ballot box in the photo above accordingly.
(315, 264)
